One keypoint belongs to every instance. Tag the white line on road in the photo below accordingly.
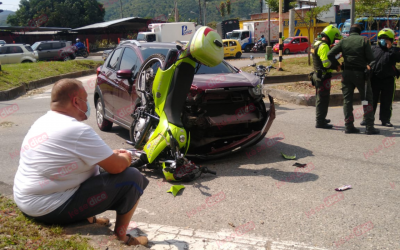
(175, 238)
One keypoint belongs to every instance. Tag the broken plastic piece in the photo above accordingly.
(299, 165)
(175, 189)
(342, 188)
(289, 157)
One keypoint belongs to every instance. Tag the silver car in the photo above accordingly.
(17, 53)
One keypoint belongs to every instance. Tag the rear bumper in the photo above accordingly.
(243, 143)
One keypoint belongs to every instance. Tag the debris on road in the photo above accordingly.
(342, 188)
(299, 165)
(175, 189)
(289, 157)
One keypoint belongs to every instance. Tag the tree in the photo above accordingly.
(212, 25)
(59, 13)
(310, 19)
(273, 4)
(222, 8)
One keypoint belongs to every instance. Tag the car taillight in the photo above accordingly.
(98, 70)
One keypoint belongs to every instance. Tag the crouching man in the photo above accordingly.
(58, 179)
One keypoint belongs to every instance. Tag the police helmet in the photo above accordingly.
(332, 33)
(386, 33)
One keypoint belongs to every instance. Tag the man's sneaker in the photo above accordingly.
(352, 130)
(372, 131)
(328, 120)
(387, 124)
(325, 126)
(363, 123)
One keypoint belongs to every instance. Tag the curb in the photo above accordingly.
(21, 90)
(309, 100)
(296, 78)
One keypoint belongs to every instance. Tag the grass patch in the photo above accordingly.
(291, 66)
(14, 75)
(19, 232)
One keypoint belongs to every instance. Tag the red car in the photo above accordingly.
(224, 111)
(293, 45)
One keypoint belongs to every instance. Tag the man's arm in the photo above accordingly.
(117, 162)
(368, 51)
(334, 51)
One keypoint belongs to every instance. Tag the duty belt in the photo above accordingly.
(354, 68)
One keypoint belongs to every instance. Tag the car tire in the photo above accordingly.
(67, 58)
(27, 61)
(286, 51)
(102, 123)
(247, 48)
(238, 55)
(156, 58)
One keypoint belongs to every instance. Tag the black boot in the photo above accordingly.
(328, 120)
(387, 124)
(351, 130)
(325, 126)
(372, 131)
(363, 123)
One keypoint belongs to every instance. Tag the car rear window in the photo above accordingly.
(28, 48)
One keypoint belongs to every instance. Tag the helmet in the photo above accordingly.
(386, 33)
(77, 40)
(262, 36)
(332, 33)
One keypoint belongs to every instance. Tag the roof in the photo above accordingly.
(29, 29)
(135, 22)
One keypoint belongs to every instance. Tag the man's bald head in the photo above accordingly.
(69, 97)
(64, 90)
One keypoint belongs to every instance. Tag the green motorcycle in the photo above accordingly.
(157, 130)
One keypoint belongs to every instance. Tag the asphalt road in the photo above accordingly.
(260, 187)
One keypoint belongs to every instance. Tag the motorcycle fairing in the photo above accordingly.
(168, 175)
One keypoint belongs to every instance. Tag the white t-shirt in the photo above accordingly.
(57, 155)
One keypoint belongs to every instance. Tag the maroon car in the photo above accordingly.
(224, 111)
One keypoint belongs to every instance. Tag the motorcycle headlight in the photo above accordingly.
(256, 91)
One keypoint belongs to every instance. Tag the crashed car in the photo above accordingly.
(224, 110)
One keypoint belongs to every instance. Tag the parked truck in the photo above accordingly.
(252, 32)
(227, 26)
(168, 32)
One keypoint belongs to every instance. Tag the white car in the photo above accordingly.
(2, 42)
(17, 53)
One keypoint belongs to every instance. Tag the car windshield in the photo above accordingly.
(28, 48)
(235, 35)
(220, 68)
(288, 40)
(346, 27)
(35, 45)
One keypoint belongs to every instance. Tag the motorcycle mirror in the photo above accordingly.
(124, 74)
(251, 57)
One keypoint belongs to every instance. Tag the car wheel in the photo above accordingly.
(247, 49)
(67, 58)
(102, 123)
(238, 55)
(286, 52)
(26, 61)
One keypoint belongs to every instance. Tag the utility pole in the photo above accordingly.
(280, 35)
(352, 11)
(120, 3)
(200, 13)
(269, 25)
(176, 11)
(261, 6)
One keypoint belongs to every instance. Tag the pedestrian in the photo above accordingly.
(323, 68)
(357, 54)
(384, 72)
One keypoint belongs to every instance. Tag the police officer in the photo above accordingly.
(323, 73)
(357, 54)
(383, 75)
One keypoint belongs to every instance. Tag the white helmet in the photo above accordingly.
(77, 40)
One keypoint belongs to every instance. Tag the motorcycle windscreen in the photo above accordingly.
(178, 91)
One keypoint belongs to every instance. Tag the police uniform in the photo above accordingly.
(357, 54)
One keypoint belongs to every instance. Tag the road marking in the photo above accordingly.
(174, 238)
(42, 97)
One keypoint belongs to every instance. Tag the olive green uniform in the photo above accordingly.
(357, 54)
(322, 79)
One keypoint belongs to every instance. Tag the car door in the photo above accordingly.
(232, 48)
(226, 49)
(3, 55)
(295, 45)
(304, 44)
(44, 51)
(15, 54)
(56, 50)
(108, 75)
(125, 91)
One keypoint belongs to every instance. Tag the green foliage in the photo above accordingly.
(212, 25)
(142, 8)
(222, 8)
(228, 7)
(273, 4)
(60, 13)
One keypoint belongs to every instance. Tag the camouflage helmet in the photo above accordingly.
(386, 33)
(332, 33)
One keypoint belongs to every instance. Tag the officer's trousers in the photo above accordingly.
(383, 92)
(322, 96)
(352, 80)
